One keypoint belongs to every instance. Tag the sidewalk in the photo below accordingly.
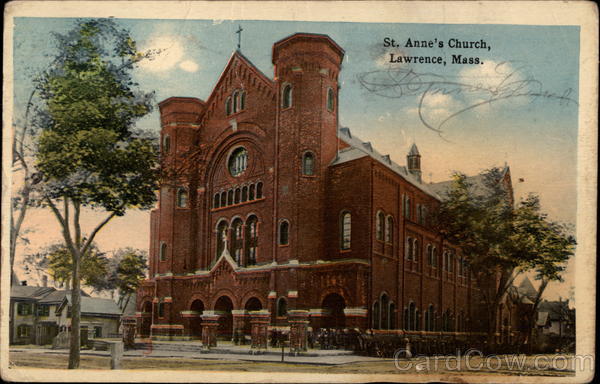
(237, 353)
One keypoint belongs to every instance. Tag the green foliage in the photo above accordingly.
(56, 259)
(131, 270)
(87, 150)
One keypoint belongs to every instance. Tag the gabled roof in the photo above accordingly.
(414, 151)
(29, 292)
(94, 306)
(238, 55)
(358, 149)
(58, 296)
(556, 309)
(477, 182)
(526, 289)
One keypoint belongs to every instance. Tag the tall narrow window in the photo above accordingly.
(346, 230)
(379, 224)
(392, 316)
(217, 201)
(389, 229)
(259, 191)
(308, 164)
(286, 97)
(230, 197)
(236, 101)
(376, 315)
(434, 257)
(251, 240)
(412, 309)
(251, 192)
(161, 308)
(330, 99)
(223, 199)
(244, 194)
(166, 144)
(238, 195)
(409, 248)
(384, 312)
(162, 252)
(237, 241)
(228, 106)
(222, 237)
(281, 307)
(284, 228)
(182, 198)
(242, 100)
(407, 207)
(415, 249)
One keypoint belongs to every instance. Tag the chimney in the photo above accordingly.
(44, 281)
(413, 162)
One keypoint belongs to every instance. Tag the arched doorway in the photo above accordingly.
(225, 329)
(196, 322)
(146, 319)
(334, 304)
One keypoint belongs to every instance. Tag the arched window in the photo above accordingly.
(242, 100)
(251, 239)
(251, 192)
(162, 252)
(238, 161)
(389, 229)
(406, 319)
(415, 250)
(236, 101)
(182, 198)
(385, 303)
(228, 106)
(450, 261)
(284, 228)
(259, 192)
(407, 212)
(244, 194)
(346, 230)
(375, 318)
(230, 197)
(222, 237)
(238, 196)
(217, 201)
(237, 241)
(409, 248)
(434, 257)
(161, 308)
(223, 199)
(392, 316)
(430, 254)
(308, 164)
(286, 96)
(379, 224)
(281, 307)
(330, 99)
(412, 316)
(166, 144)
(430, 319)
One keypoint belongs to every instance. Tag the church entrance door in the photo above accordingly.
(196, 322)
(334, 304)
(225, 329)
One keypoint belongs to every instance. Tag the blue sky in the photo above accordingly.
(536, 136)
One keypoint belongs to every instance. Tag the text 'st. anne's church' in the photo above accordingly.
(272, 206)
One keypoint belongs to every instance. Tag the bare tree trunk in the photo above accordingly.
(75, 346)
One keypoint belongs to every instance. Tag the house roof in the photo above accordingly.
(94, 305)
(358, 149)
(58, 296)
(478, 187)
(29, 292)
(526, 289)
(542, 319)
(556, 309)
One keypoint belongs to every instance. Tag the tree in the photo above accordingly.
(499, 241)
(88, 152)
(131, 270)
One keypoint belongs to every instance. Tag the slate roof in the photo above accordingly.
(414, 151)
(95, 305)
(359, 149)
(555, 309)
(58, 296)
(526, 289)
(29, 292)
(478, 187)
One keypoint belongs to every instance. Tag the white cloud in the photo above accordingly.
(170, 54)
(189, 66)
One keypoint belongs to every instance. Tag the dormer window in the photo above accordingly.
(286, 97)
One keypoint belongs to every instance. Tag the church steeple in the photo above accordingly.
(413, 161)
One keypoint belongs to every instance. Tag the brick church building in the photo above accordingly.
(272, 206)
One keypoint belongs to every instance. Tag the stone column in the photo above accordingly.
(356, 318)
(240, 316)
(298, 320)
(210, 322)
(260, 323)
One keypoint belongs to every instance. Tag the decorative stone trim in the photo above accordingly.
(272, 295)
(239, 312)
(190, 313)
(294, 262)
(168, 299)
(155, 300)
(355, 312)
(166, 326)
(212, 313)
(318, 312)
(292, 294)
(260, 312)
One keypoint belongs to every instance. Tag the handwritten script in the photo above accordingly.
(507, 84)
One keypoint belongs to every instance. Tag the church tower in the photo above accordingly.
(307, 67)
(413, 161)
